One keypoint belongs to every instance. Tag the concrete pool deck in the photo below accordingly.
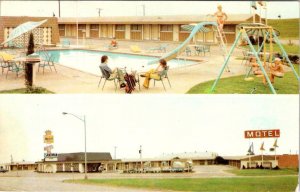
(68, 80)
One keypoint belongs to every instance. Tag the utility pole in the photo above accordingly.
(0, 6)
(99, 11)
(58, 8)
(144, 9)
(115, 155)
(140, 152)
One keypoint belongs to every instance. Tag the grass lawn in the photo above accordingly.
(286, 85)
(22, 91)
(263, 172)
(288, 28)
(249, 184)
(290, 49)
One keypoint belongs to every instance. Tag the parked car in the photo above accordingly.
(3, 170)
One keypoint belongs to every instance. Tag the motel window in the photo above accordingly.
(61, 27)
(166, 28)
(95, 27)
(81, 27)
(136, 27)
(120, 27)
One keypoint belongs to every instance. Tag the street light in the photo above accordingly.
(85, 159)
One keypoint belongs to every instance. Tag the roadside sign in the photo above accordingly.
(274, 133)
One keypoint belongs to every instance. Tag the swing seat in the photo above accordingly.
(259, 75)
(249, 79)
(278, 74)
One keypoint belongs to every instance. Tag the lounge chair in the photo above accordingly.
(160, 48)
(135, 48)
(161, 76)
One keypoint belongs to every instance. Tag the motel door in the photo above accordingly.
(154, 32)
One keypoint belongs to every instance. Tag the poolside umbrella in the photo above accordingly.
(6, 56)
(191, 27)
(22, 29)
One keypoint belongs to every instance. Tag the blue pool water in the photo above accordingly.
(89, 61)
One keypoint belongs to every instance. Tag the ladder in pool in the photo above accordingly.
(222, 42)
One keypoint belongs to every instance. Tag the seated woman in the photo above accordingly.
(113, 43)
(276, 70)
(154, 73)
(108, 72)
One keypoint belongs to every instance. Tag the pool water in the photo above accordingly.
(89, 61)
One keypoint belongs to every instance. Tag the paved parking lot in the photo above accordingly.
(32, 181)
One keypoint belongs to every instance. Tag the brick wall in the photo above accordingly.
(12, 21)
(288, 161)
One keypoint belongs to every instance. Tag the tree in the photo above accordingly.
(29, 66)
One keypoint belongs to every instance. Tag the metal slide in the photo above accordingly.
(173, 54)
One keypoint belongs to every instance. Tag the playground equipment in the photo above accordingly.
(268, 34)
(195, 28)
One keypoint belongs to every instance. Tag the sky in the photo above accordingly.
(287, 9)
(160, 123)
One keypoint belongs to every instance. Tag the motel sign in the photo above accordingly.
(262, 133)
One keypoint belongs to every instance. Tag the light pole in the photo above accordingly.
(99, 11)
(85, 159)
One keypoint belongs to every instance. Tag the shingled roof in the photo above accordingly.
(164, 19)
(80, 157)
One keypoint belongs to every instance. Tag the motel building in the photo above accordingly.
(19, 166)
(148, 28)
(74, 162)
(132, 28)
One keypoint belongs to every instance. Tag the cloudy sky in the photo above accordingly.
(287, 9)
(160, 123)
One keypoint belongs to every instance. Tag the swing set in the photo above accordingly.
(269, 35)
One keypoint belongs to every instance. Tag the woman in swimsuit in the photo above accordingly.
(221, 17)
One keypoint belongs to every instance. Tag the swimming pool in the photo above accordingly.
(89, 61)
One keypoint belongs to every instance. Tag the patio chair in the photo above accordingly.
(206, 49)
(199, 49)
(49, 62)
(245, 58)
(13, 67)
(188, 51)
(161, 76)
(3, 64)
(104, 75)
(66, 43)
(160, 48)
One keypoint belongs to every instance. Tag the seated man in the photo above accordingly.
(109, 73)
(113, 44)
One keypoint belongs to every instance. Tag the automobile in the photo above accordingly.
(3, 171)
